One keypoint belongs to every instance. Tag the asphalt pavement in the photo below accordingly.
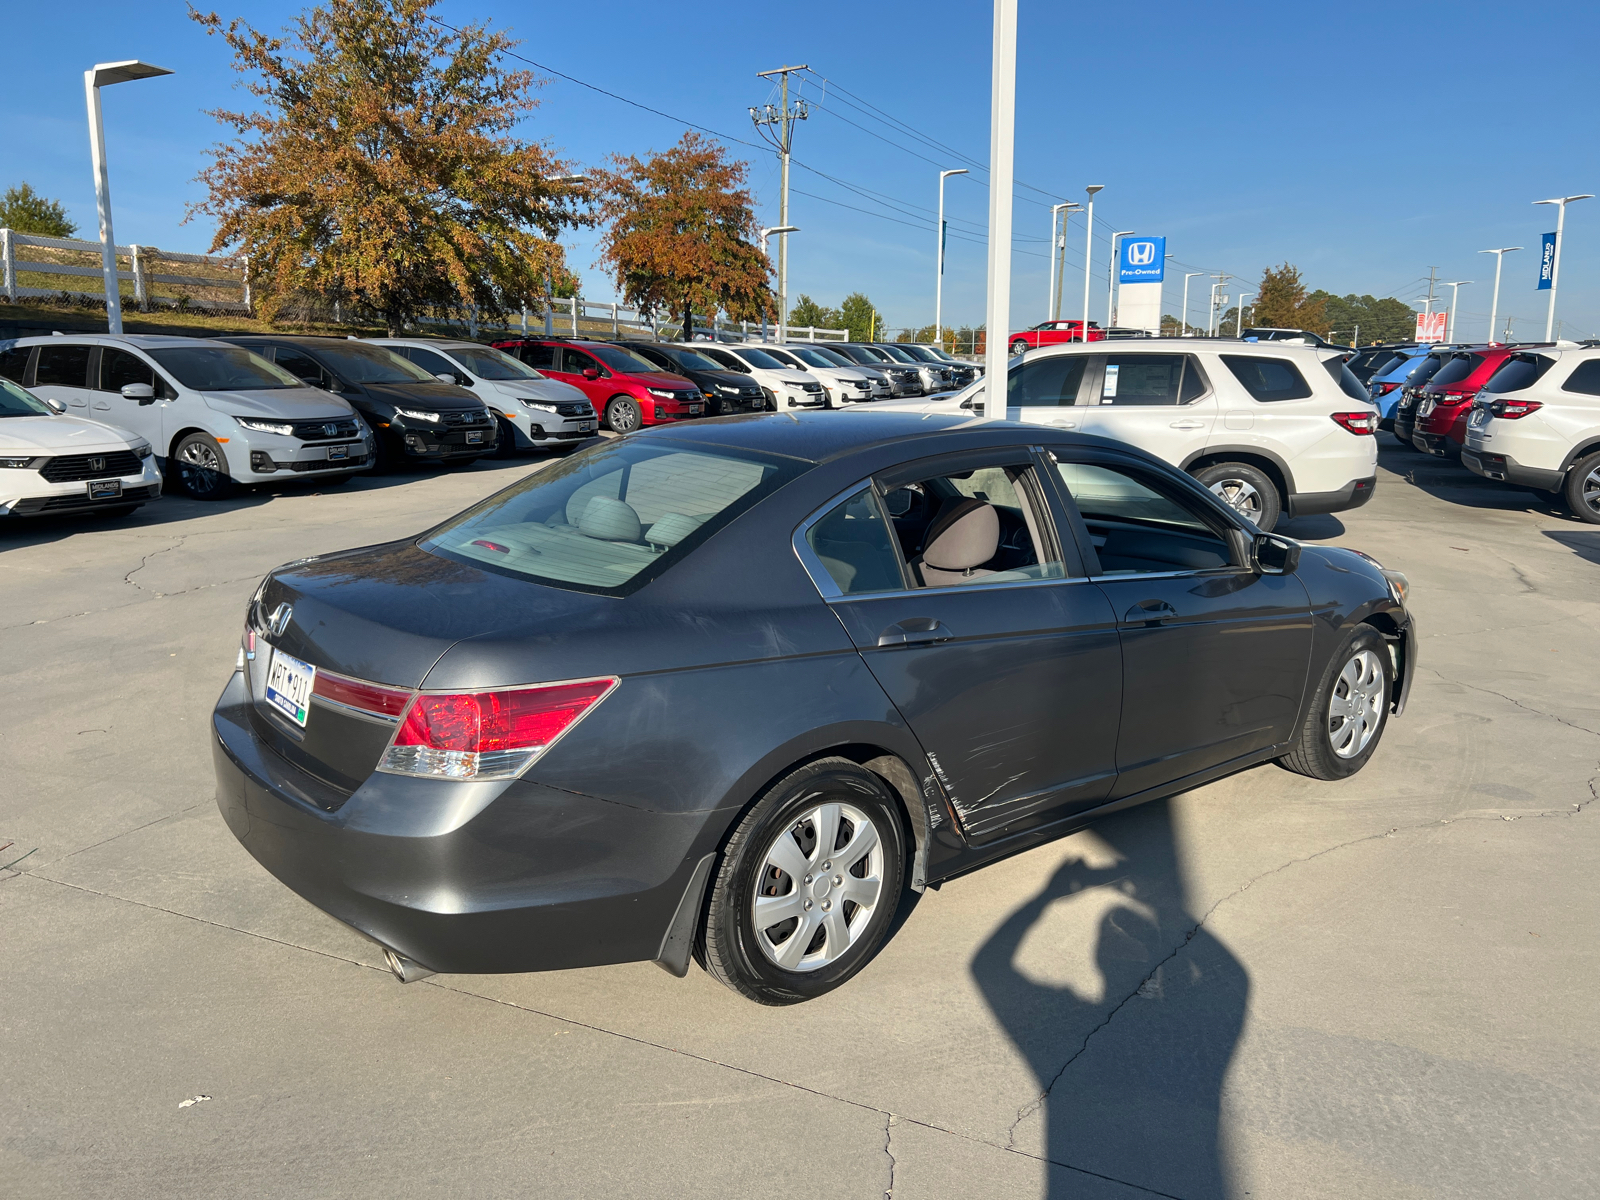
(1269, 987)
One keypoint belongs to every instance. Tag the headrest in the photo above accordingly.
(672, 528)
(610, 520)
(963, 536)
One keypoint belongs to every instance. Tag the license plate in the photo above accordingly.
(694, 410)
(335, 452)
(289, 683)
(104, 489)
(1478, 419)
(585, 426)
(475, 438)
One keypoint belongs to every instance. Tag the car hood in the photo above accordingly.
(442, 397)
(284, 404)
(733, 379)
(790, 375)
(664, 379)
(552, 390)
(58, 434)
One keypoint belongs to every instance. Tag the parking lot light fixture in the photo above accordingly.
(1002, 150)
(771, 229)
(1183, 322)
(1111, 276)
(1238, 315)
(1494, 305)
(938, 274)
(99, 76)
(1455, 287)
(1561, 203)
(1088, 257)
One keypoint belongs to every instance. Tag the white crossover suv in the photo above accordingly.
(1271, 428)
(53, 464)
(1536, 424)
(535, 412)
(786, 387)
(842, 384)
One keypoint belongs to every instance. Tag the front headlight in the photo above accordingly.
(732, 391)
(142, 449)
(15, 464)
(541, 406)
(280, 427)
(1399, 585)
(417, 414)
(662, 392)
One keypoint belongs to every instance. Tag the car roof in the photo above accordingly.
(1170, 344)
(437, 343)
(139, 341)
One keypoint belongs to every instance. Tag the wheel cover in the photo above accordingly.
(199, 468)
(1239, 495)
(1355, 710)
(622, 416)
(1589, 491)
(821, 880)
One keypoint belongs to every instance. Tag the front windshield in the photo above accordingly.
(942, 355)
(693, 360)
(222, 369)
(611, 518)
(916, 353)
(491, 364)
(14, 402)
(852, 354)
(619, 359)
(812, 358)
(832, 356)
(897, 353)
(358, 362)
(761, 360)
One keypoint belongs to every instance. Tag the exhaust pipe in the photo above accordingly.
(403, 968)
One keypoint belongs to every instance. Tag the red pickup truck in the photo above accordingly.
(1050, 333)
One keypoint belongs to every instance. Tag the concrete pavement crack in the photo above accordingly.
(888, 1140)
(145, 560)
(1513, 700)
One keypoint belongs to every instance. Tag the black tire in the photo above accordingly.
(1582, 489)
(735, 951)
(505, 446)
(1019, 346)
(1315, 751)
(200, 469)
(622, 415)
(1248, 490)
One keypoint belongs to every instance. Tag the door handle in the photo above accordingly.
(1149, 612)
(1188, 424)
(914, 631)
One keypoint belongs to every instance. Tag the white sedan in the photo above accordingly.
(51, 463)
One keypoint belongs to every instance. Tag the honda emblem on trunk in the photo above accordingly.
(279, 620)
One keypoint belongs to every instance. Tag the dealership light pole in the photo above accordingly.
(938, 279)
(1111, 277)
(1494, 305)
(770, 230)
(1183, 325)
(1561, 203)
(1455, 287)
(99, 76)
(1002, 147)
(1088, 258)
(1055, 221)
(1238, 315)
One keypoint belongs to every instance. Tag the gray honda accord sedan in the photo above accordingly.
(726, 690)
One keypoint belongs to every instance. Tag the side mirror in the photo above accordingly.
(1275, 555)
(447, 377)
(591, 372)
(56, 406)
(141, 392)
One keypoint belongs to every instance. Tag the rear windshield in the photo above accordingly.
(1457, 369)
(610, 519)
(1424, 370)
(492, 364)
(1369, 362)
(357, 362)
(1400, 368)
(1518, 372)
(622, 360)
(222, 369)
(1269, 379)
(14, 402)
(1346, 379)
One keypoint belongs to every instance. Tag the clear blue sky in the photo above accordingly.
(1362, 142)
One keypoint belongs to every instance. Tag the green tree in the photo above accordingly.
(681, 233)
(806, 312)
(380, 167)
(1281, 302)
(858, 315)
(1386, 320)
(26, 211)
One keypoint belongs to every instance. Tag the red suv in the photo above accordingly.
(1446, 400)
(1050, 333)
(625, 390)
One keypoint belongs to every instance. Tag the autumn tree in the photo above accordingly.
(26, 211)
(680, 233)
(380, 167)
(1282, 302)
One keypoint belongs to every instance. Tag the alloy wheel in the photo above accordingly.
(1239, 495)
(199, 468)
(1589, 491)
(821, 880)
(1355, 710)
(621, 418)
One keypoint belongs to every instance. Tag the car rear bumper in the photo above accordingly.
(530, 878)
(1505, 469)
(1439, 445)
(1352, 495)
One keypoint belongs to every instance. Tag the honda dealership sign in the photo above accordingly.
(1144, 260)
(1143, 266)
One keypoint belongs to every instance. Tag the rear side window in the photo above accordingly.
(1142, 379)
(1585, 380)
(852, 543)
(1268, 379)
(1045, 382)
(610, 519)
(1457, 369)
(1346, 379)
(1520, 371)
(62, 366)
(536, 356)
(434, 364)
(14, 362)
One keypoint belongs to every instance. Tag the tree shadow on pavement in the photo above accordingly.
(1130, 1066)
(1584, 543)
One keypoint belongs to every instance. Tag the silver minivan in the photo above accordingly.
(217, 415)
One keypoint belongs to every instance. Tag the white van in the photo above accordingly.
(786, 387)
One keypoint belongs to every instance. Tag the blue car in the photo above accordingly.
(1384, 386)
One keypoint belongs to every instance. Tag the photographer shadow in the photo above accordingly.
(1131, 1066)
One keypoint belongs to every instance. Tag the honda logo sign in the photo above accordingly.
(1144, 260)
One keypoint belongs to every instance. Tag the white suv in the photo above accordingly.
(1271, 428)
(1536, 424)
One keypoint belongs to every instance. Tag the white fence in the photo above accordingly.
(224, 286)
(577, 317)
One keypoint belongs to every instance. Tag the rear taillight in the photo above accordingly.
(371, 698)
(1510, 410)
(1358, 422)
(488, 735)
(1382, 389)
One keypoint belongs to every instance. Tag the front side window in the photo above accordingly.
(491, 364)
(1045, 382)
(1268, 379)
(852, 543)
(16, 402)
(1139, 527)
(537, 356)
(1142, 379)
(222, 369)
(62, 366)
(300, 365)
(610, 519)
(14, 362)
(433, 364)
(118, 369)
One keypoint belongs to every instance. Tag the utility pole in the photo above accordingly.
(1427, 306)
(1059, 254)
(1211, 320)
(1050, 296)
(784, 118)
(1494, 305)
